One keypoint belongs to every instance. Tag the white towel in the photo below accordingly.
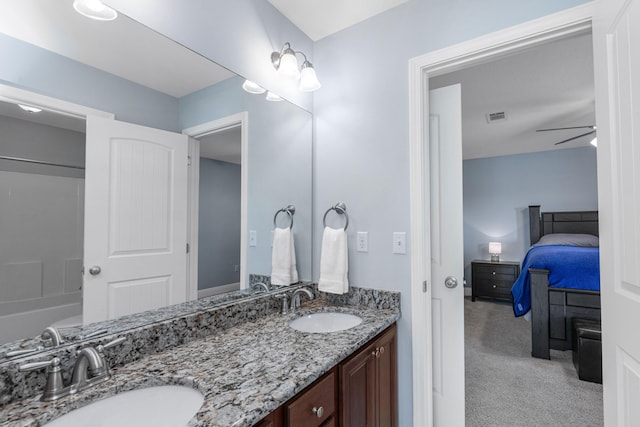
(283, 258)
(334, 263)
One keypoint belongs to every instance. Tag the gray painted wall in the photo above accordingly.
(219, 224)
(498, 191)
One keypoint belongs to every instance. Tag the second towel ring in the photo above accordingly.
(340, 208)
(289, 210)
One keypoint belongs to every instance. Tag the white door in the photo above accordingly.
(135, 219)
(617, 77)
(447, 258)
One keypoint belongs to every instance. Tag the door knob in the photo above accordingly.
(95, 270)
(451, 282)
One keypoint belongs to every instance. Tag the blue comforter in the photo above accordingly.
(573, 267)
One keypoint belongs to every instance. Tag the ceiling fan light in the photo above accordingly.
(95, 9)
(594, 141)
(252, 87)
(308, 79)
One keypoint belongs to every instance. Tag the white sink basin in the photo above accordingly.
(325, 322)
(161, 406)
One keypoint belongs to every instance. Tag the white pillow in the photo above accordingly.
(585, 240)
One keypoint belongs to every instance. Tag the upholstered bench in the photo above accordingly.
(587, 349)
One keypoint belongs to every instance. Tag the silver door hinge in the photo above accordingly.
(187, 248)
(424, 286)
(188, 160)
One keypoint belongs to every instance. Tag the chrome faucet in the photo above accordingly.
(295, 298)
(257, 285)
(51, 333)
(90, 369)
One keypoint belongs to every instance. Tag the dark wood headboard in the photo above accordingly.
(581, 222)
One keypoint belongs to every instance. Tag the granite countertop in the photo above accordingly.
(244, 372)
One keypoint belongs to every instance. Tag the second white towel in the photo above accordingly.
(283, 258)
(334, 262)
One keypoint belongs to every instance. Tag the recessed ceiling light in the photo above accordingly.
(95, 9)
(29, 109)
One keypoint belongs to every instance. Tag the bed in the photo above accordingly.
(555, 299)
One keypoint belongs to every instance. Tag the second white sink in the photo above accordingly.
(161, 406)
(325, 322)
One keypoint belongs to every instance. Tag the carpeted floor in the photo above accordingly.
(505, 386)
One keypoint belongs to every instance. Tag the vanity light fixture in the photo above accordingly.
(95, 9)
(29, 109)
(273, 97)
(286, 64)
(252, 87)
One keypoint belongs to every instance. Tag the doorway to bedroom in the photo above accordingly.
(507, 166)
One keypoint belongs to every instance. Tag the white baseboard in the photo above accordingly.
(215, 290)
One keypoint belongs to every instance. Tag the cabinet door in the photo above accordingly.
(357, 389)
(385, 354)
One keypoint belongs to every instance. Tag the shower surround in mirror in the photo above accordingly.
(279, 145)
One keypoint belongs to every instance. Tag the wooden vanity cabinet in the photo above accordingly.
(361, 391)
(368, 384)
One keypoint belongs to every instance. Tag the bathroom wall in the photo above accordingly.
(219, 224)
(498, 191)
(41, 224)
(31, 68)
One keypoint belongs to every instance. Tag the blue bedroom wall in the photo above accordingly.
(498, 190)
(219, 223)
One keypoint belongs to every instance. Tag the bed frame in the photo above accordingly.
(552, 309)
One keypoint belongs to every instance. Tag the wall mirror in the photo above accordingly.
(42, 160)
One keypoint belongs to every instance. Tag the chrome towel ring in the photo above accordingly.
(340, 208)
(289, 210)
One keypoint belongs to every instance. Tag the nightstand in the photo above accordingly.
(493, 279)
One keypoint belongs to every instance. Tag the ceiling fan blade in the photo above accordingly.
(572, 127)
(575, 137)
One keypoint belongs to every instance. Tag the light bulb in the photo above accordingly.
(95, 9)
(308, 79)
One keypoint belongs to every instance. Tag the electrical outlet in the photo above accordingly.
(253, 238)
(399, 243)
(363, 241)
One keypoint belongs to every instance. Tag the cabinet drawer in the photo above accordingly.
(498, 272)
(494, 289)
(322, 395)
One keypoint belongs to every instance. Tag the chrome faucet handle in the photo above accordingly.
(54, 388)
(285, 299)
(110, 344)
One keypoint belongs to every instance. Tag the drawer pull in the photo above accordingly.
(319, 412)
(493, 272)
(494, 285)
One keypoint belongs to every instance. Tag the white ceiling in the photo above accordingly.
(549, 86)
(122, 47)
(224, 145)
(320, 18)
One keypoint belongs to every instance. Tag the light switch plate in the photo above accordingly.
(253, 238)
(363, 241)
(399, 242)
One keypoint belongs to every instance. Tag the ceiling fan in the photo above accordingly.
(592, 131)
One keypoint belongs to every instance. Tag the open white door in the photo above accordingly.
(617, 77)
(447, 256)
(135, 219)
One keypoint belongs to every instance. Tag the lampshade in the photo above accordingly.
(95, 9)
(273, 97)
(252, 87)
(308, 79)
(495, 248)
(288, 67)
